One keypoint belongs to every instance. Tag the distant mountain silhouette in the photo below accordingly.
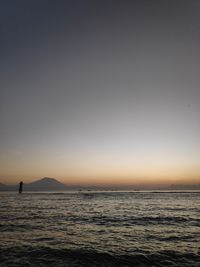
(44, 184)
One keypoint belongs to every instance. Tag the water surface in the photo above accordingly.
(100, 229)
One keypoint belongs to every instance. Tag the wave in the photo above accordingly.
(18, 227)
(39, 221)
(130, 221)
(47, 256)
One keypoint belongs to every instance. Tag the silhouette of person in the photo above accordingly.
(20, 187)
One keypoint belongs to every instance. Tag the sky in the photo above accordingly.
(100, 91)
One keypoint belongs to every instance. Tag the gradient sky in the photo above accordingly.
(100, 91)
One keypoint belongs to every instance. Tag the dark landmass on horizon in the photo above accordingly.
(44, 184)
(52, 184)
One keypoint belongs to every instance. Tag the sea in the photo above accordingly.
(87, 228)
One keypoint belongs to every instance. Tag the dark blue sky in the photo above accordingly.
(100, 91)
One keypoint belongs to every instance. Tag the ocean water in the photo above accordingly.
(100, 229)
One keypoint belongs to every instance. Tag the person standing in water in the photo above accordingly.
(20, 187)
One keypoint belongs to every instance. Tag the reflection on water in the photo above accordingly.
(100, 229)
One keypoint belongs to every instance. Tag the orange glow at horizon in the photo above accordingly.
(145, 167)
(106, 175)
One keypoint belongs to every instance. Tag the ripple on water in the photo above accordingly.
(100, 229)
